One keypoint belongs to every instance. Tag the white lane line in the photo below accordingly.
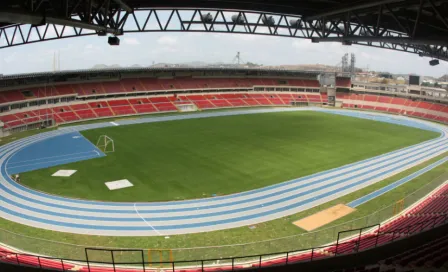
(115, 124)
(53, 161)
(135, 208)
(50, 157)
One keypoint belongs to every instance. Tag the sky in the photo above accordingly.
(175, 47)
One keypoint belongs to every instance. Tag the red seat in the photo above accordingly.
(165, 106)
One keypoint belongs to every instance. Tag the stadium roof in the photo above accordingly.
(417, 26)
(397, 14)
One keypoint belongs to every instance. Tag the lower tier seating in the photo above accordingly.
(76, 111)
(430, 255)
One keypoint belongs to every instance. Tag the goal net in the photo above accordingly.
(105, 144)
(186, 107)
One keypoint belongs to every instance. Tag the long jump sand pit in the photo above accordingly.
(324, 217)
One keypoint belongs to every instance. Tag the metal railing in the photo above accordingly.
(360, 239)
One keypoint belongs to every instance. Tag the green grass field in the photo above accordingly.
(222, 155)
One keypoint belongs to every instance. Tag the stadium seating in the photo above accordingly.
(12, 96)
(91, 89)
(64, 89)
(431, 255)
(343, 82)
(147, 84)
(420, 109)
(372, 98)
(114, 87)
(114, 107)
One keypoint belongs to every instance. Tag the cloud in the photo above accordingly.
(131, 41)
(302, 44)
(167, 40)
(195, 34)
(10, 58)
(247, 37)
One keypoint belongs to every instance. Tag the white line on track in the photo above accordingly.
(53, 161)
(51, 157)
(135, 208)
(115, 124)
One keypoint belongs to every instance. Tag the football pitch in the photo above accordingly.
(197, 158)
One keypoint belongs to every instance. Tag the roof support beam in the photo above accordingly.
(417, 20)
(108, 17)
(351, 8)
(436, 10)
(398, 40)
(35, 19)
(124, 6)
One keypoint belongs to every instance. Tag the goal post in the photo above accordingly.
(105, 144)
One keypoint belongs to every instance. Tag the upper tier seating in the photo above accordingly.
(114, 87)
(344, 82)
(147, 84)
(115, 107)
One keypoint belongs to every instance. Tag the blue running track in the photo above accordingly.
(390, 187)
(63, 149)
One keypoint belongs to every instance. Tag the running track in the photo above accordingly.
(37, 209)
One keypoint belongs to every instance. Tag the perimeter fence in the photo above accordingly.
(133, 260)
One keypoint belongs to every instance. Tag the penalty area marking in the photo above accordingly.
(64, 173)
(135, 208)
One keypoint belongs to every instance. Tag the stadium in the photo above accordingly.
(225, 168)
